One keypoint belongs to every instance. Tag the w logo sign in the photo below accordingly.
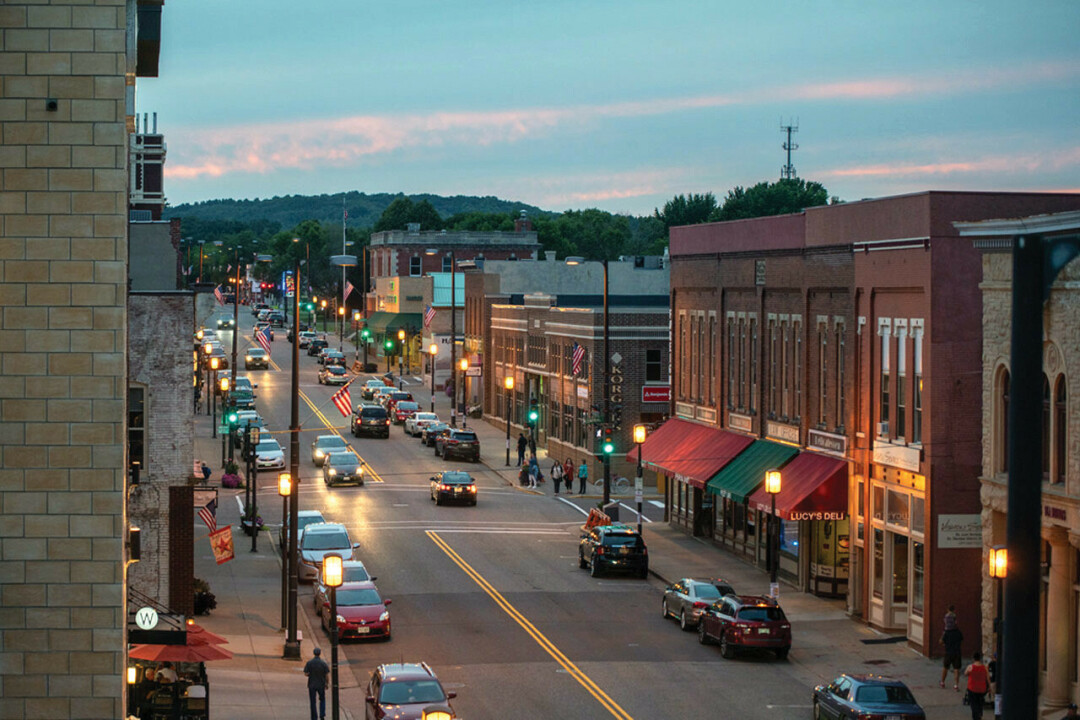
(146, 618)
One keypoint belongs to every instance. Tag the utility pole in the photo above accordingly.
(788, 171)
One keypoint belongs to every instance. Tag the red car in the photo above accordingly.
(746, 621)
(361, 612)
(402, 410)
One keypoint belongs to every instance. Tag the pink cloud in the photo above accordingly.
(1009, 164)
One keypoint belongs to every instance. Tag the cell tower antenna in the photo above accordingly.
(788, 171)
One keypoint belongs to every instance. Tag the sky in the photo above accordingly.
(614, 105)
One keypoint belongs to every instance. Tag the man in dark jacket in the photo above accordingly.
(952, 639)
(522, 444)
(316, 670)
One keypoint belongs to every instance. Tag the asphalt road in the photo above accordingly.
(491, 596)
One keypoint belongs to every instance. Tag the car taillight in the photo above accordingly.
(701, 605)
(472, 488)
(869, 716)
(444, 486)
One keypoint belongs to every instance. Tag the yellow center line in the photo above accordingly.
(372, 475)
(592, 688)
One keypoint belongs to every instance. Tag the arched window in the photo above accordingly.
(1003, 422)
(1046, 429)
(1060, 430)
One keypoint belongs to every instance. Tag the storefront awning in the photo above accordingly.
(738, 479)
(381, 323)
(692, 453)
(812, 487)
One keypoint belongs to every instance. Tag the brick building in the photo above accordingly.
(1059, 641)
(807, 342)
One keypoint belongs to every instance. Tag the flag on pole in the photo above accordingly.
(222, 543)
(260, 337)
(343, 401)
(578, 357)
(219, 296)
(229, 269)
(348, 290)
(208, 513)
(429, 315)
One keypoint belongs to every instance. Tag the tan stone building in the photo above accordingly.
(1059, 641)
(67, 76)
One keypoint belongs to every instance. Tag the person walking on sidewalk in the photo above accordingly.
(953, 640)
(556, 475)
(534, 472)
(582, 476)
(316, 670)
(568, 475)
(522, 443)
(978, 683)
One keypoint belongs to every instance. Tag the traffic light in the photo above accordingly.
(608, 447)
(389, 345)
(232, 418)
(365, 334)
(534, 414)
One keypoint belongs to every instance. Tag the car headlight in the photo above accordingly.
(385, 616)
(359, 471)
(341, 620)
(319, 453)
(333, 471)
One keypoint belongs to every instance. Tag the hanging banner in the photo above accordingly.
(222, 543)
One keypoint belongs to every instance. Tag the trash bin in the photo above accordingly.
(612, 511)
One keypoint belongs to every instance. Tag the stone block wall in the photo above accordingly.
(63, 251)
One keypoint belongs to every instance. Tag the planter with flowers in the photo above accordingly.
(251, 522)
(231, 477)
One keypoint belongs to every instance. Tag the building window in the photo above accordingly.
(741, 404)
(901, 384)
(753, 364)
(797, 330)
(774, 386)
(823, 369)
(653, 366)
(683, 375)
(1046, 428)
(917, 389)
(137, 426)
(415, 266)
(883, 405)
(879, 561)
(918, 569)
(712, 361)
(583, 429)
(1003, 422)
(695, 361)
(1060, 430)
(447, 263)
(731, 364)
(701, 354)
(785, 411)
(841, 367)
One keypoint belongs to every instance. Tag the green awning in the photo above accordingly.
(381, 323)
(740, 477)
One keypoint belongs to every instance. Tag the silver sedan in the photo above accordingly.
(686, 599)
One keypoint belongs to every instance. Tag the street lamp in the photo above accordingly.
(207, 349)
(640, 433)
(508, 383)
(772, 486)
(403, 348)
(999, 569)
(284, 489)
(433, 350)
(453, 327)
(356, 336)
(606, 364)
(291, 650)
(214, 362)
(463, 364)
(332, 576)
(341, 329)
(251, 441)
(388, 346)
(322, 306)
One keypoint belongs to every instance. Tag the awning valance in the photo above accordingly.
(739, 478)
(381, 323)
(812, 487)
(692, 453)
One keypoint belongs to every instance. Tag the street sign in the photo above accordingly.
(638, 496)
(474, 371)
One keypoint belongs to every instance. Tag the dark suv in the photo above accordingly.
(746, 621)
(403, 690)
(316, 346)
(613, 547)
(276, 318)
(459, 443)
(371, 420)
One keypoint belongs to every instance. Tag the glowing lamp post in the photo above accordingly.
(999, 569)
(284, 489)
(332, 576)
(463, 365)
(640, 433)
(356, 329)
(401, 356)
(433, 351)
(213, 366)
(341, 329)
(772, 486)
(508, 383)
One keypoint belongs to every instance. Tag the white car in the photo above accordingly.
(269, 455)
(415, 424)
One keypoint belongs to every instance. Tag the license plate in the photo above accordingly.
(457, 491)
(763, 631)
(893, 717)
(363, 630)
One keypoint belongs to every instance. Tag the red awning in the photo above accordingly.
(692, 453)
(812, 486)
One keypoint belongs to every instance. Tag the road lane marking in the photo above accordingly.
(583, 512)
(634, 511)
(657, 503)
(592, 688)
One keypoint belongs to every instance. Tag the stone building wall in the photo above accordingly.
(63, 251)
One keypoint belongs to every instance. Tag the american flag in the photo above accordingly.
(578, 357)
(229, 269)
(342, 401)
(219, 296)
(348, 290)
(260, 337)
(208, 513)
(429, 315)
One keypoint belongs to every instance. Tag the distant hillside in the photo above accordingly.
(363, 209)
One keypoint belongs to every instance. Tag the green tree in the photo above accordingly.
(686, 210)
(765, 198)
(403, 211)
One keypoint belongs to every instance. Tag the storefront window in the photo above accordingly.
(918, 514)
(918, 563)
(879, 561)
(789, 537)
(879, 502)
(898, 509)
(900, 569)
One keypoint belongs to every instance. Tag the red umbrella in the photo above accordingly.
(179, 653)
(198, 635)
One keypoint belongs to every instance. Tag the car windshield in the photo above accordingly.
(266, 446)
(465, 436)
(331, 441)
(426, 416)
(761, 614)
(362, 596)
(336, 370)
(407, 406)
(354, 573)
(256, 352)
(343, 460)
(889, 694)
(373, 412)
(706, 591)
(408, 692)
(304, 520)
(325, 541)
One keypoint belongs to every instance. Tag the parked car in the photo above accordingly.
(332, 357)
(318, 540)
(432, 431)
(306, 337)
(368, 392)
(402, 411)
(393, 396)
(371, 420)
(342, 467)
(402, 691)
(361, 612)
(269, 455)
(303, 519)
(351, 571)
(866, 696)
(255, 358)
(326, 444)
(414, 424)
(453, 486)
(333, 375)
(316, 346)
(458, 443)
(242, 393)
(613, 547)
(746, 621)
(686, 599)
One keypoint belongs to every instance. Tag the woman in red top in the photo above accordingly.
(978, 683)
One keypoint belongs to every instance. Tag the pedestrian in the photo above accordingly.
(952, 639)
(316, 670)
(534, 471)
(568, 474)
(522, 443)
(950, 618)
(556, 475)
(206, 471)
(1070, 712)
(165, 673)
(532, 444)
(978, 682)
(582, 476)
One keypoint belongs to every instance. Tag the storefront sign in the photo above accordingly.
(959, 531)
(583, 391)
(899, 456)
(656, 393)
(827, 443)
(779, 431)
(742, 423)
(146, 618)
(474, 371)
(1055, 513)
(817, 515)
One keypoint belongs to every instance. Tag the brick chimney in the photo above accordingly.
(523, 223)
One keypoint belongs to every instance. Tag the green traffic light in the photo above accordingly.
(233, 418)
(533, 415)
(389, 344)
(609, 447)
